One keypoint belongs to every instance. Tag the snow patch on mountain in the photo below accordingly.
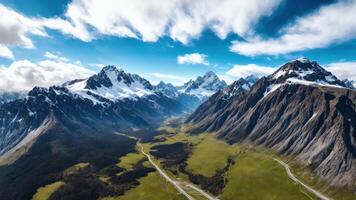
(119, 85)
(304, 72)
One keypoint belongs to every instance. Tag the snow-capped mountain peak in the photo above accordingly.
(304, 71)
(112, 84)
(236, 88)
(167, 89)
(203, 86)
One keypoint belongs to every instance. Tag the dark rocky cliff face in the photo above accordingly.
(316, 123)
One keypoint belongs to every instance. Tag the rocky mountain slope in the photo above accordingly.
(300, 110)
(52, 129)
(112, 99)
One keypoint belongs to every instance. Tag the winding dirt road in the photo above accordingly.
(176, 184)
(291, 176)
(165, 176)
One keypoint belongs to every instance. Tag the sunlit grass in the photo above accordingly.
(130, 160)
(45, 192)
(152, 187)
(75, 168)
(210, 155)
(255, 175)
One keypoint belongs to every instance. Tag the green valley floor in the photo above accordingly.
(206, 168)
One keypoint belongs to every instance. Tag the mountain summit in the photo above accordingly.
(204, 86)
(111, 84)
(304, 71)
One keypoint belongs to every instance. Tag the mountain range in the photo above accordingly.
(111, 99)
(301, 110)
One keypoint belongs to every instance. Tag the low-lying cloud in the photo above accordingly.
(239, 71)
(23, 75)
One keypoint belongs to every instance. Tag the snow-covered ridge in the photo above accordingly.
(204, 86)
(111, 84)
(305, 72)
(236, 88)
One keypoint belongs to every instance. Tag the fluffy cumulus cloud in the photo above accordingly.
(193, 58)
(250, 69)
(343, 70)
(15, 30)
(23, 75)
(181, 20)
(328, 25)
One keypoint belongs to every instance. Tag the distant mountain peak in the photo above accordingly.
(203, 86)
(210, 74)
(109, 68)
(251, 79)
(350, 83)
(236, 88)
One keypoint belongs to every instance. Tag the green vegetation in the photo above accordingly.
(255, 175)
(76, 168)
(308, 177)
(210, 155)
(129, 161)
(152, 187)
(45, 192)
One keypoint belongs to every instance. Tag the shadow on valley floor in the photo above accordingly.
(174, 157)
(58, 150)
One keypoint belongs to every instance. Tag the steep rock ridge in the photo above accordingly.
(111, 100)
(300, 110)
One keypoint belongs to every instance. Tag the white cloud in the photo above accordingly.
(24, 74)
(328, 25)
(55, 57)
(343, 70)
(239, 71)
(15, 30)
(168, 78)
(149, 20)
(6, 52)
(193, 58)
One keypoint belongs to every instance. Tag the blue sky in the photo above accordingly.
(231, 38)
